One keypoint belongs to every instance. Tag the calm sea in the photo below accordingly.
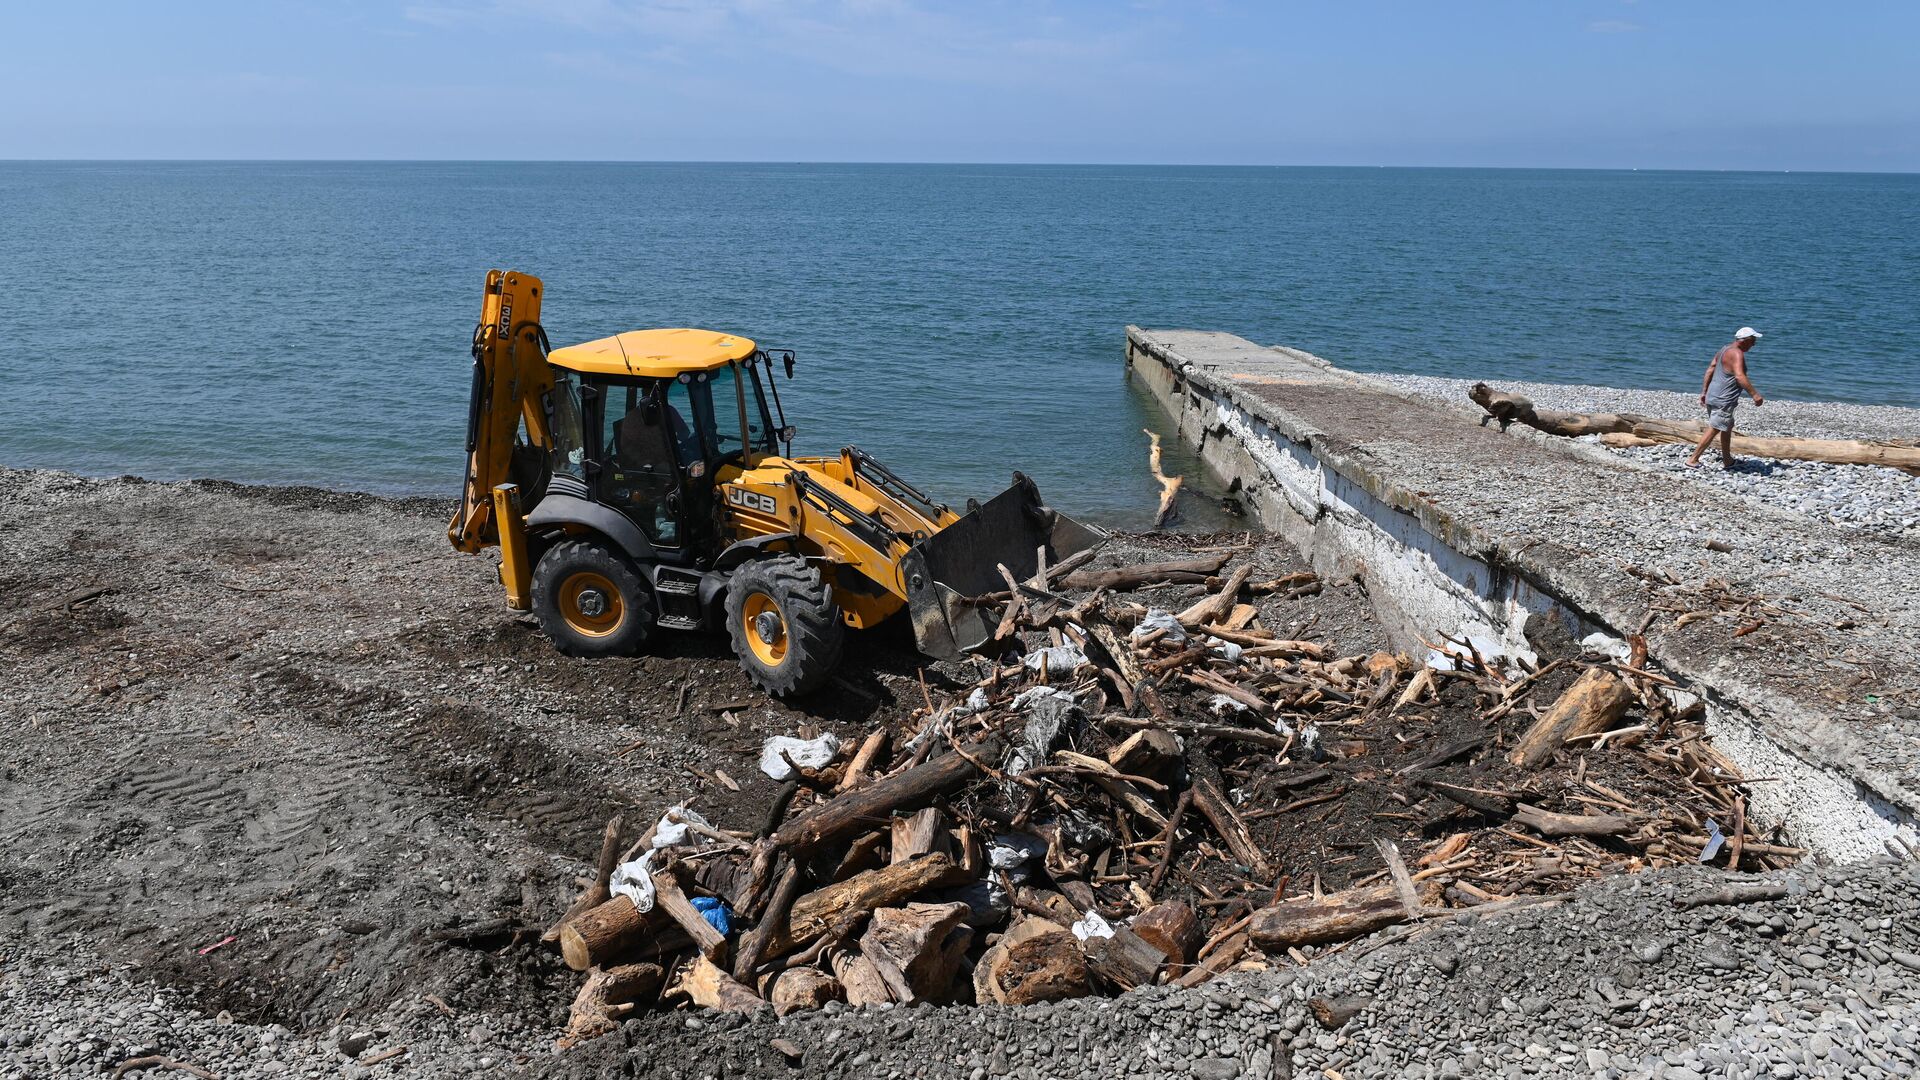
(309, 322)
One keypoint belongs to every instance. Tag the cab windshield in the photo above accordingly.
(723, 429)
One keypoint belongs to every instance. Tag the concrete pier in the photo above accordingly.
(1462, 529)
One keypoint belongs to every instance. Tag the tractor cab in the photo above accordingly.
(643, 422)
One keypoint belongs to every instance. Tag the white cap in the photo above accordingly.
(1744, 333)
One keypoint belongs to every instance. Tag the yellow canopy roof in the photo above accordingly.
(653, 353)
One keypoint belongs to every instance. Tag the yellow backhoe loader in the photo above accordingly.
(646, 481)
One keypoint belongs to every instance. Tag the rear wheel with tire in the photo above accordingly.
(591, 601)
(785, 627)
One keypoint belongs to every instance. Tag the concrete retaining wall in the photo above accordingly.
(1427, 573)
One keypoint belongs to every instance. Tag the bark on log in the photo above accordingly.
(860, 769)
(1206, 788)
(772, 924)
(918, 948)
(708, 986)
(608, 931)
(1332, 918)
(1126, 959)
(1595, 702)
(1547, 823)
(596, 1008)
(858, 811)
(1172, 928)
(816, 913)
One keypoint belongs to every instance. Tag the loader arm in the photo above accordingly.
(511, 379)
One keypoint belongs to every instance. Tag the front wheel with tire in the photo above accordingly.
(590, 601)
(786, 629)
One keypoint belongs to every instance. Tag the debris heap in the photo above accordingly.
(1133, 796)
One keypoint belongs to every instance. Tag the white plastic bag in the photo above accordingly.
(1059, 659)
(806, 753)
(634, 880)
(1092, 925)
(1159, 619)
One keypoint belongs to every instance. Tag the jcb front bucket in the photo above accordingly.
(962, 561)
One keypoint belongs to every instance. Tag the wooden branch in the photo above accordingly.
(1215, 608)
(1595, 702)
(159, 1061)
(816, 912)
(1332, 918)
(596, 893)
(1169, 485)
(668, 897)
(1733, 894)
(773, 922)
(1547, 823)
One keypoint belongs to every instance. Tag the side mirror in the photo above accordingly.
(787, 361)
(787, 433)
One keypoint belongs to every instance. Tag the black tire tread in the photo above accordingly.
(635, 594)
(816, 635)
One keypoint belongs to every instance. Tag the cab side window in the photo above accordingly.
(641, 477)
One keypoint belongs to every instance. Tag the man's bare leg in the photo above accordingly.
(1700, 448)
(1726, 449)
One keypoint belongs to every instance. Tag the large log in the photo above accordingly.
(606, 996)
(1594, 703)
(856, 811)
(1126, 959)
(1337, 917)
(1170, 927)
(803, 988)
(918, 948)
(607, 932)
(707, 985)
(817, 912)
(1047, 966)
(1508, 408)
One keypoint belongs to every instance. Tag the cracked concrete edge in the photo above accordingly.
(1840, 804)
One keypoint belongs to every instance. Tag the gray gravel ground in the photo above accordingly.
(1856, 497)
(1618, 983)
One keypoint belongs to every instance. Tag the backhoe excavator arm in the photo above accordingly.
(510, 381)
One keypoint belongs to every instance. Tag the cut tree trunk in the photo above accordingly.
(859, 979)
(921, 833)
(598, 1006)
(917, 949)
(1508, 408)
(1171, 927)
(817, 912)
(1337, 917)
(1126, 959)
(707, 985)
(1169, 485)
(1595, 702)
(609, 931)
(803, 988)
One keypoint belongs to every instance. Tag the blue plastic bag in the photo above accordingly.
(715, 912)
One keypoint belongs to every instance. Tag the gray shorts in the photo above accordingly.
(1720, 417)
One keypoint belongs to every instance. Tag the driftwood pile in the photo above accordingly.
(1130, 798)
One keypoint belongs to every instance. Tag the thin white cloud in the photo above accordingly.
(1613, 26)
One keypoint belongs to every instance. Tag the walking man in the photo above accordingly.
(1720, 392)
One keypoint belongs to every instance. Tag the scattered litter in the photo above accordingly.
(221, 944)
(1715, 838)
(1092, 926)
(634, 880)
(1222, 704)
(806, 753)
(1058, 659)
(716, 912)
(1226, 650)
(1159, 619)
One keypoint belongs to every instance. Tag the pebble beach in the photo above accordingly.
(1864, 498)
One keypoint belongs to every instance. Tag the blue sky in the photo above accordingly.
(1605, 83)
